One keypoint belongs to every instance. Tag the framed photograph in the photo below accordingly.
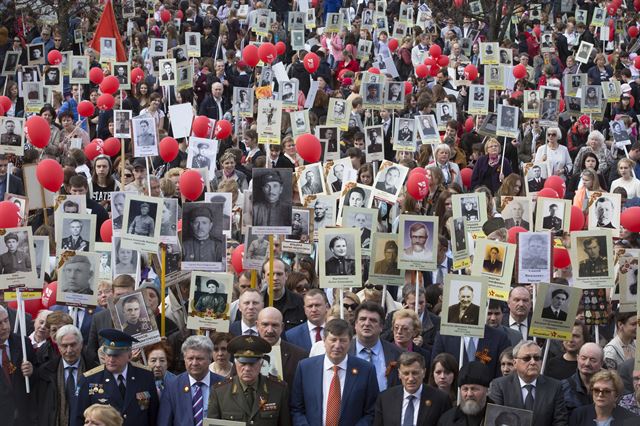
(209, 301)
(122, 71)
(364, 49)
(179, 53)
(531, 104)
(301, 238)
(192, 40)
(550, 112)
(597, 19)
(297, 40)
(243, 102)
(288, 94)
(299, 122)
(367, 19)
(604, 212)
(535, 175)
(296, 20)
(201, 154)
(460, 243)
(105, 270)
(489, 53)
(169, 221)
(534, 257)
(77, 232)
(11, 62)
(33, 96)
(418, 242)
(355, 195)
(256, 251)
(584, 52)
(339, 113)
(11, 135)
(494, 260)
(383, 267)
(573, 82)
(478, 99)
(489, 125)
(592, 252)
(517, 211)
(185, 78)
(145, 136)
(475, 7)
(203, 242)
(158, 47)
(324, 211)
(506, 56)
(168, 72)
(337, 172)
(79, 66)
(362, 219)
(22, 203)
(572, 105)
(340, 257)
(394, 95)
(374, 142)
(553, 215)
(581, 16)
(35, 54)
(269, 121)
(124, 261)
(404, 137)
(128, 8)
(591, 99)
(619, 132)
(611, 90)
(17, 257)
(466, 298)
(555, 311)
(372, 95)
(428, 129)
(501, 415)
(508, 119)
(389, 180)
(272, 201)
(445, 111)
(472, 207)
(131, 315)
(495, 77)
(78, 278)
(310, 180)
(141, 226)
(107, 49)
(628, 281)
(41, 252)
(546, 42)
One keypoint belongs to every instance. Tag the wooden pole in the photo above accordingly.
(271, 256)
(254, 278)
(44, 207)
(122, 164)
(163, 289)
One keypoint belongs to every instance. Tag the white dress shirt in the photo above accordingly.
(524, 330)
(75, 372)
(205, 391)
(327, 376)
(525, 391)
(245, 329)
(416, 404)
(312, 331)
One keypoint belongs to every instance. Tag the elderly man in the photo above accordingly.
(631, 401)
(75, 241)
(576, 388)
(14, 260)
(203, 246)
(528, 389)
(56, 393)
(185, 399)
(270, 328)
(311, 186)
(270, 209)
(418, 250)
(519, 311)
(250, 397)
(473, 380)
(464, 312)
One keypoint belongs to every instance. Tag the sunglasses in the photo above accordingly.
(128, 175)
(350, 306)
(528, 358)
(598, 391)
(371, 286)
(552, 134)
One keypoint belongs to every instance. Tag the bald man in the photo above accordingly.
(270, 327)
(575, 390)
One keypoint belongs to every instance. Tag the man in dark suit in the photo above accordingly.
(473, 380)
(464, 312)
(492, 265)
(198, 380)
(527, 389)
(270, 327)
(249, 304)
(424, 404)
(58, 377)
(351, 386)
(306, 334)
(517, 210)
(536, 183)
(16, 405)
(495, 316)
(552, 221)
(126, 387)
(553, 311)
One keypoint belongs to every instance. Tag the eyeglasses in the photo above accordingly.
(528, 358)
(371, 286)
(128, 175)
(350, 306)
(598, 391)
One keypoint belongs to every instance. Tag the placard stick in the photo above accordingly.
(148, 164)
(122, 163)
(460, 360)
(22, 334)
(416, 296)
(44, 206)
(504, 147)
(597, 332)
(271, 255)
(163, 289)
(254, 278)
(545, 355)
(341, 303)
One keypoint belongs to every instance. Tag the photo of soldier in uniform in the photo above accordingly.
(76, 233)
(210, 298)
(14, 256)
(553, 220)
(272, 192)
(78, 275)
(593, 256)
(122, 124)
(203, 242)
(554, 310)
(11, 140)
(142, 216)
(145, 136)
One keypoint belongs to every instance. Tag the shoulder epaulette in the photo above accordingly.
(93, 371)
(224, 382)
(144, 367)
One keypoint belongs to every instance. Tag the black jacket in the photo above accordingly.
(16, 405)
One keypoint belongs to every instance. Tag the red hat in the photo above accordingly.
(241, 64)
(585, 120)
(347, 81)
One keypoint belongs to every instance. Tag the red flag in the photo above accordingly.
(108, 27)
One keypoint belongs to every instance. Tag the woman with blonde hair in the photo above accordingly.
(450, 170)
(606, 388)
(626, 180)
(491, 168)
(102, 415)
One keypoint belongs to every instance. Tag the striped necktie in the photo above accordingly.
(197, 403)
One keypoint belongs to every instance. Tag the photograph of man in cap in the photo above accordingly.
(473, 379)
(133, 311)
(553, 310)
(144, 132)
(552, 221)
(9, 137)
(258, 247)
(247, 396)
(340, 263)
(389, 264)
(129, 389)
(75, 241)
(271, 198)
(77, 275)
(208, 299)
(14, 260)
(144, 223)
(80, 70)
(595, 265)
(465, 311)
(202, 243)
(200, 160)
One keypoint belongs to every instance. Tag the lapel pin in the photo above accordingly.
(427, 403)
(354, 371)
(186, 389)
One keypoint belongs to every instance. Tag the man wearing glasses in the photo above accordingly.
(528, 389)
(418, 249)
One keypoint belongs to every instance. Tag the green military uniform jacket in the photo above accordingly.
(271, 405)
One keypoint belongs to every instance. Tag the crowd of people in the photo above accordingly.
(442, 130)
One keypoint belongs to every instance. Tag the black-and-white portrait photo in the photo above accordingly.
(79, 69)
(592, 256)
(553, 214)
(289, 92)
(417, 241)
(428, 128)
(124, 261)
(243, 101)
(142, 218)
(272, 195)
(78, 231)
(107, 48)
(311, 181)
(619, 132)
(36, 53)
(534, 257)
(266, 76)
(122, 124)
(141, 223)
(145, 136)
(133, 316)
(363, 220)
(201, 154)
(493, 262)
(15, 255)
(374, 140)
(52, 76)
(605, 212)
(78, 275)
(464, 305)
(536, 177)
(341, 256)
(11, 137)
(158, 47)
(168, 72)
(445, 112)
(117, 209)
(556, 309)
(390, 178)
(211, 296)
(299, 226)
(372, 94)
(328, 135)
(11, 62)
(203, 242)
(507, 120)
(459, 235)
(470, 209)
(404, 136)
(180, 53)
(394, 93)
(501, 415)
(516, 213)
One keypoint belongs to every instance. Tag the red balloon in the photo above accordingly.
(421, 71)
(471, 72)
(408, 87)
(417, 186)
(443, 61)
(636, 5)
(223, 129)
(111, 146)
(458, 3)
(557, 184)
(513, 233)
(429, 62)
(98, 142)
(86, 109)
(201, 126)
(55, 57)
(38, 131)
(110, 85)
(636, 62)
(267, 52)
(237, 256)
(548, 193)
(561, 258)
(165, 16)
(50, 174)
(9, 215)
(250, 55)
(106, 102)
(612, 10)
(168, 149)
(281, 47)
(630, 219)
(393, 44)
(106, 231)
(465, 175)
(191, 184)
(468, 124)
(49, 295)
(435, 51)
(418, 170)
(577, 219)
(180, 14)
(96, 75)
(434, 70)
(92, 151)
(31, 306)
(309, 148)
(137, 74)
(519, 71)
(5, 102)
(311, 62)
(1, 111)
(374, 70)
(633, 32)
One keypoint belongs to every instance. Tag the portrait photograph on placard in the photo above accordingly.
(340, 256)
(619, 132)
(337, 172)
(168, 72)
(338, 114)
(389, 180)
(404, 138)
(383, 267)
(445, 112)
(121, 70)
(243, 102)
(107, 49)
(374, 142)
(628, 281)
(272, 201)
(204, 245)
(145, 136)
(394, 95)
(472, 207)
(329, 137)
(192, 40)
(364, 220)
(418, 242)
(122, 124)
(535, 261)
(310, 179)
(41, 259)
(355, 195)
(33, 96)
(592, 258)
(459, 245)
(494, 260)
(478, 99)
(301, 238)
(465, 298)
(53, 77)
(77, 232)
(604, 212)
(495, 77)
(268, 121)
(324, 210)
(169, 220)
(531, 104)
(17, 258)
(78, 279)
(517, 211)
(299, 122)
(611, 90)
(256, 251)
(489, 53)
(10, 65)
(591, 100)
(555, 311)
(131, 315)
(36, 54)
(489, 125)
(508, 121)
(535, 176)
(141, 223)
(11, 135)
(553, 215)
(79, 69)
(428, 129)
(201, 154)
(288, 93)
(209, 301)
(573, 82)
(158, 47)
(503, 415)
(104, 250)
(372, 95)
(584, 52)
(22, 203)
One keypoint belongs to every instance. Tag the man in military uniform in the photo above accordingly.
(75, 240)
(258, 248)
(77, 275)
(14, 260)
(9, 137)
(537, 253)
(552, 222)
(389, 265)
(143, 224)
(405, 134)
(249, 396)
(200, 160)
(270, 209)
(595, 265)
(210, 299)
(311, 186)
(145, 138)
(133, 323)
(127, 387)
(203, 246)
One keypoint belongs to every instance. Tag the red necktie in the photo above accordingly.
(5, 363)
(333, 401)
(318, 335)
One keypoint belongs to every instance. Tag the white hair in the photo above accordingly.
(68, 329)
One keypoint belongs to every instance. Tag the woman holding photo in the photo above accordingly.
(491, 168)
(556, 156)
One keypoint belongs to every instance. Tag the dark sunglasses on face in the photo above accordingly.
(371, 286)
(350, 306)
(528, 358)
